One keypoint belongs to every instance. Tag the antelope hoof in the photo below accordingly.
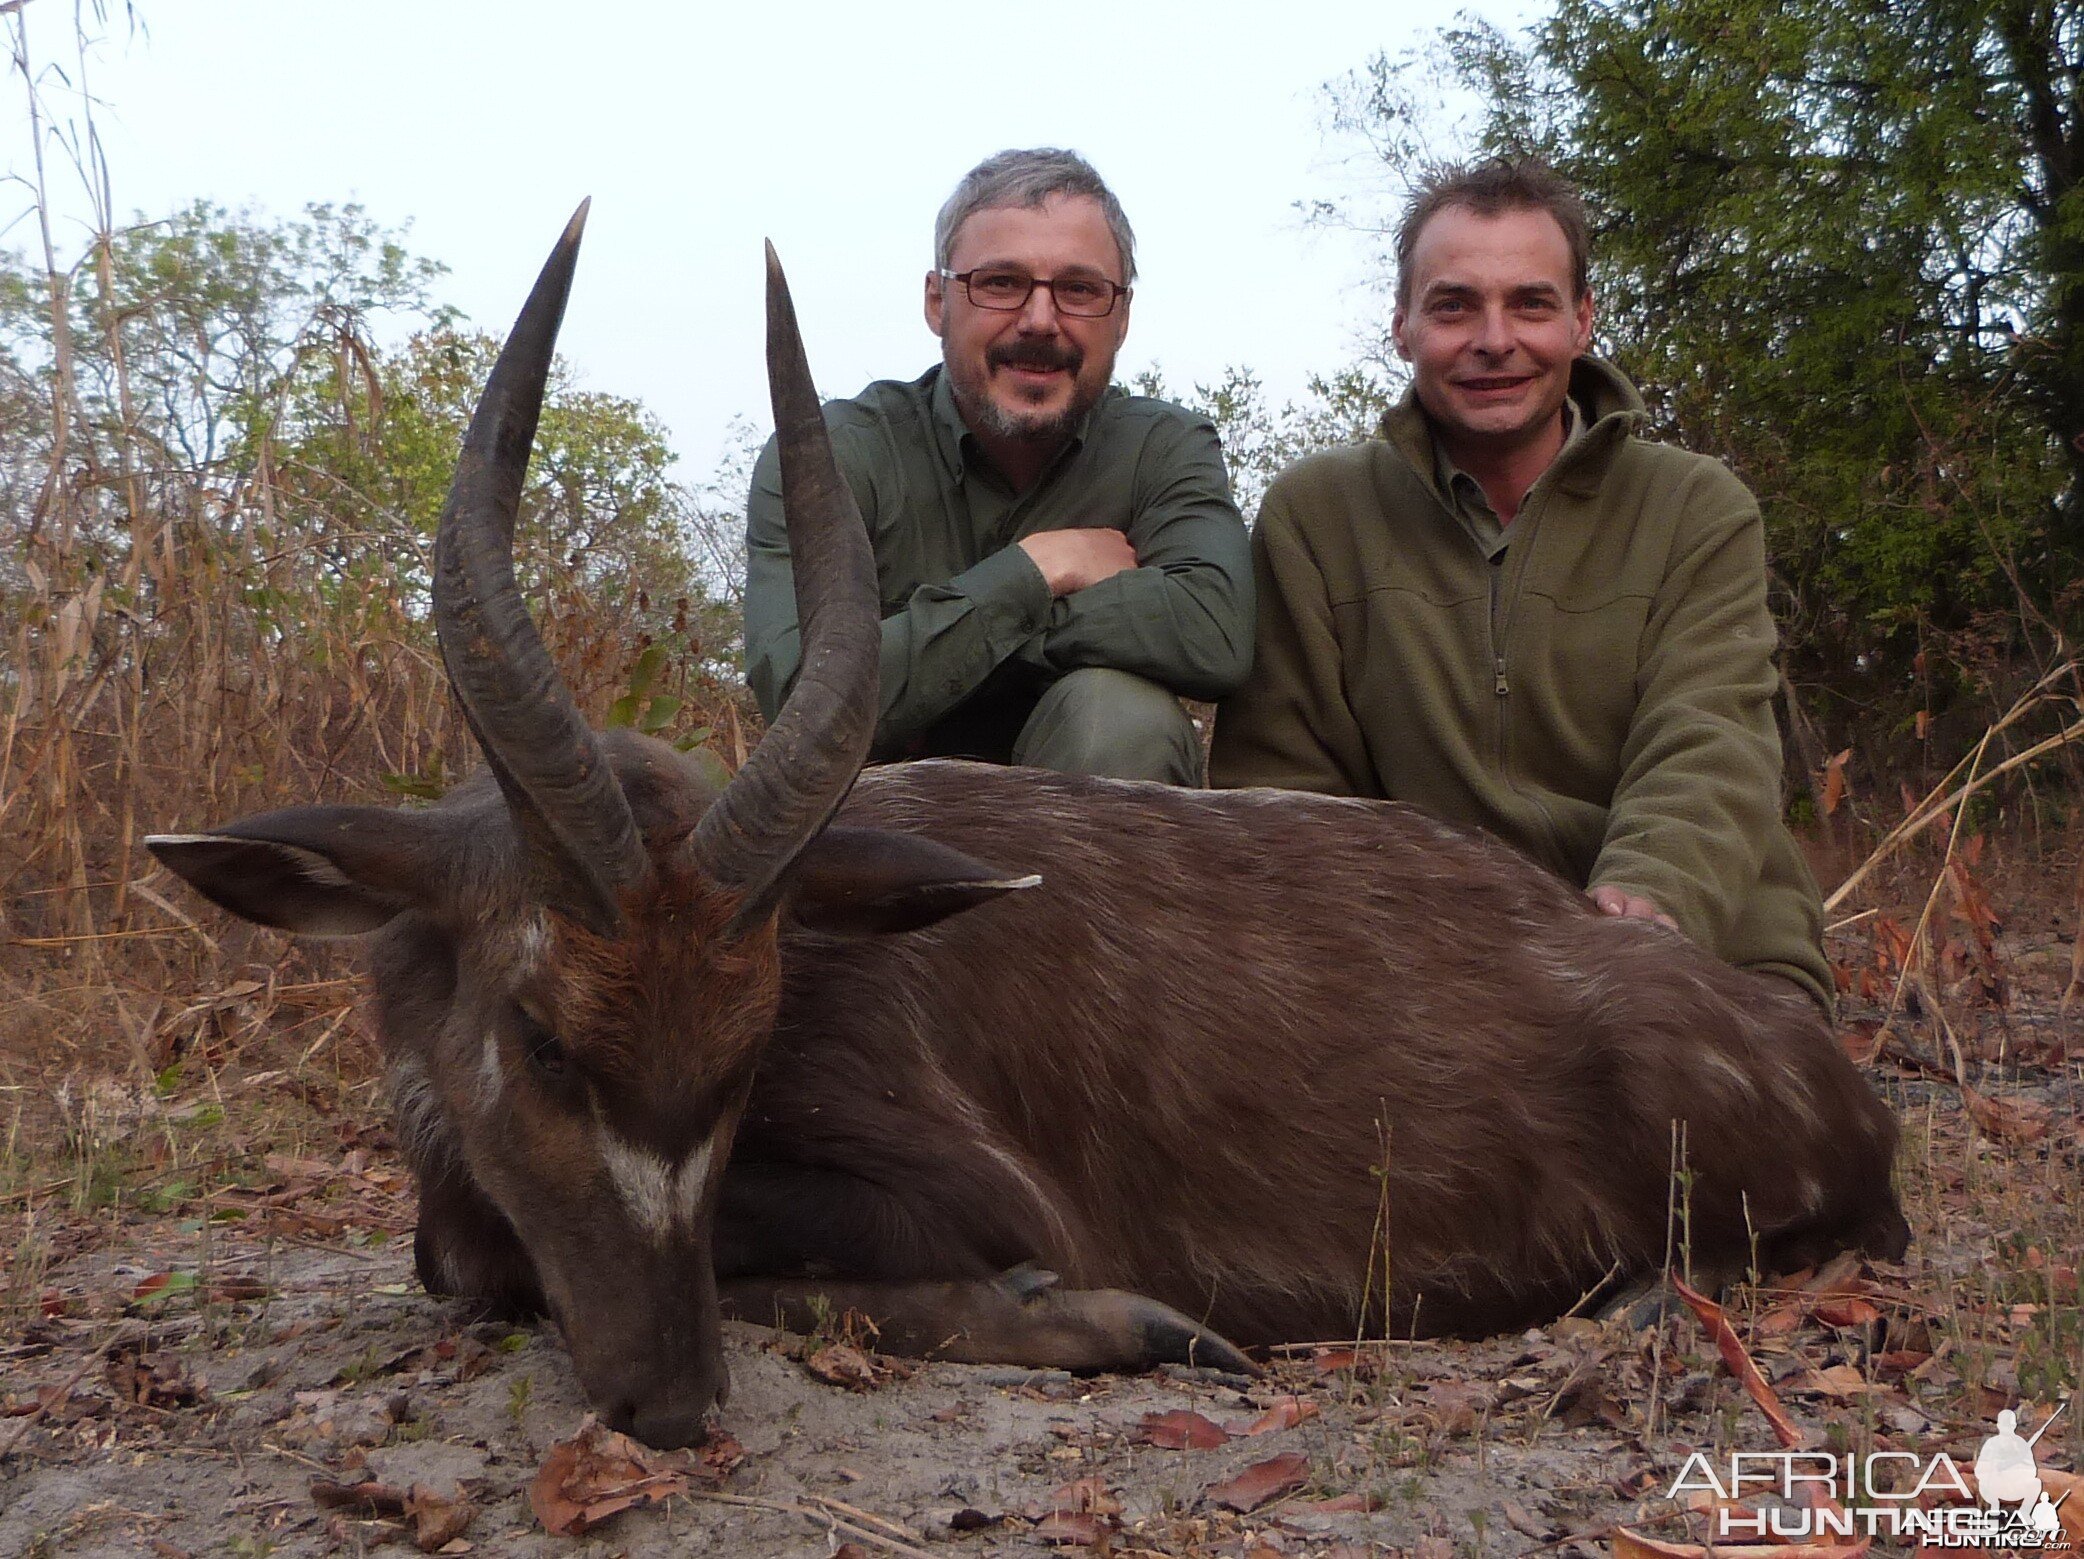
(1645, 1301)
(1171, 1338)
(1119, 1330)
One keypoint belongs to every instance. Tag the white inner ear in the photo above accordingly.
(660, 1196)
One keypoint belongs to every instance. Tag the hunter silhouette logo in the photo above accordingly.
(2007, 1474)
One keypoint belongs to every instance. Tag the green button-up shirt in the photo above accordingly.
(960, 601)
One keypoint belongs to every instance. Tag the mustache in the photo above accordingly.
(1044, 355)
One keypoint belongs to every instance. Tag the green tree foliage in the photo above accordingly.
(1260, 437)
(1840, 246)
(230, 381)
(367, 455)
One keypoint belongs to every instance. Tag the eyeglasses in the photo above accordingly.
(1087, 297)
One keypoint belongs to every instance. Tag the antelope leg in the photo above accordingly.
(1019, 1317)
(464, 1247)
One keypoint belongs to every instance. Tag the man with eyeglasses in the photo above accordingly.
(1060, 562)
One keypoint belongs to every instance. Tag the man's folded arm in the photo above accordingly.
(1183, 616)
(937, 648)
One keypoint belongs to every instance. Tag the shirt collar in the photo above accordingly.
(1464, 494)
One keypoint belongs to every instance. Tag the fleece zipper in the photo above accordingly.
(1503, 610)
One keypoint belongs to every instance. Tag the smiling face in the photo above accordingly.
(1024, 377)
(1490, 327)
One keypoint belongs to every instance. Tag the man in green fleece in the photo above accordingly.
(1515, 612)
(1059, 561)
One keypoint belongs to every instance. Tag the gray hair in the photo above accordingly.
(1028, 179)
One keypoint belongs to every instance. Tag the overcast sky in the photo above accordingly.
(698, 129)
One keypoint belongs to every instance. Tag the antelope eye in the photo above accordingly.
(545, 1051)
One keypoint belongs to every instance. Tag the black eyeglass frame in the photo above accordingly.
(1115, 296)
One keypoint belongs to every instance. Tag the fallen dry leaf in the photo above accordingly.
(1080, 1514)
(1739, 1364)
(56, 1405)
(2015, 1120)
(1862, 1042)
(1782, 1320)
(153, 1380)
(598, 1474)
(437, 1519)
(1840, 1382)
(1286, 1413)
(1847, 1312)
(1262, 1482)
(1899, 1361)
(1180, 1430)
(1592, 1402)
(1071, 1529)
(843, 1364)
(1457, 1406)
(1082, 1497)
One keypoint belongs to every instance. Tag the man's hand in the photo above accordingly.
(1631, 906)
(1072, 559)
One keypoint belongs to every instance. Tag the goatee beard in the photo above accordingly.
(986, 415)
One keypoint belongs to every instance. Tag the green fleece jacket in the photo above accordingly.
(1600, 697)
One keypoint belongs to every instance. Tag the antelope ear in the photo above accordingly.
(865, 881)
(318, 871)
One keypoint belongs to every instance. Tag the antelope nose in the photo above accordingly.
(664, 1425)
(664, 1414)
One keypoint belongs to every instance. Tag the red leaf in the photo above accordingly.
(1069, 1529)
(1739, 1364)
(1847, 1312)
(1834, 785)
(1262, 1482)
(1085, 1497)
(1284, 1414)
(437, 1520)
(1180, 1430)
(598, 1474)
(2015, 1120)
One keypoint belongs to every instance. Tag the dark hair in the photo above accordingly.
(1027, 179)
(1487, 188)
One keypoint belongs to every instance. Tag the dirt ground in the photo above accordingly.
(230, 1355)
